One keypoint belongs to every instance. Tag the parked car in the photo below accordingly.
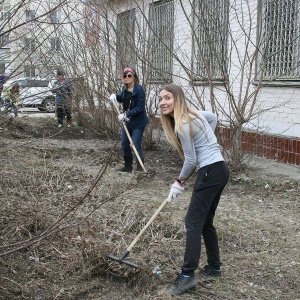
(35, 93)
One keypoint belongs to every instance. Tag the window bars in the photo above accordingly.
(161, 33)
(280, 39)
(126, 51)
(210, 39)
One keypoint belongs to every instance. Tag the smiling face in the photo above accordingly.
(166, 102)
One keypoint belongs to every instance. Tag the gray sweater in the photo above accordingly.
(203, 149)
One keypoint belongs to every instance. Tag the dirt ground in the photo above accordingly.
(65, 207)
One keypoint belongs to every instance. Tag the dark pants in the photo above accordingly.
(63, 111)
(136, 135)
(208, 188)
(12, 105)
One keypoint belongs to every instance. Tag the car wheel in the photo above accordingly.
(48, 105)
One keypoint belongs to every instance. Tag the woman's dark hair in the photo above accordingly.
(60, 73)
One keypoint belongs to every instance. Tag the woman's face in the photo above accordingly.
(166, 102)
(128, 78)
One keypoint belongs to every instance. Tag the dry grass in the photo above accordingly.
(44, 178)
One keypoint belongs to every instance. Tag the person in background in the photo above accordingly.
(192, 134)
(2, 81)
(132, 97)
(11, 97)
(62, 89)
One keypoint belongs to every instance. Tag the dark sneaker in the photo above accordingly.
(210, 271)
(125, 169)
(182, 284)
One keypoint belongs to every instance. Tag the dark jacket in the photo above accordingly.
(63, 92)
(136, 113)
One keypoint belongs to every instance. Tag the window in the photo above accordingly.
(55, 44)
(161, 34)
(210, 39)
(4, 40)
(2, 67)
(280, 39)
(29, 71)
(55, 16)
(4, 15)
(29, 15)
(126, 51)
(29, 45)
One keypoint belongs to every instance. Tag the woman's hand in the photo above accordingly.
(176, 190)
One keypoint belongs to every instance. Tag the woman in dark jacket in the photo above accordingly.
(132, 97)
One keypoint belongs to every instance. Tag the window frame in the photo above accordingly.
(2, 67)
(161, 41)
(125, 40)
(4, 41)
(215, 64)
(29, 15)
(55, 44)
(29, 71)
(273, 64)
(29, 45)
(55, 16)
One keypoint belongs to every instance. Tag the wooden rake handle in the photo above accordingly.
(147, 225)
(129, 137)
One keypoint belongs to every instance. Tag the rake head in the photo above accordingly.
(121, 260)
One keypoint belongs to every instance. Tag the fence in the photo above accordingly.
(278, 148)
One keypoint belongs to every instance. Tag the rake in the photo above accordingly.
(122, 259)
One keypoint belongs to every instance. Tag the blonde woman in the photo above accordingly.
(192, 135)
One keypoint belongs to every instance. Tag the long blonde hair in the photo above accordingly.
(173, 125)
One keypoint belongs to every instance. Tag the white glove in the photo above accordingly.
(122, 117)
(176, 190)
(113, 97)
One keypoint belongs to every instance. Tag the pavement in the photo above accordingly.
(271, 168)
(34, 112)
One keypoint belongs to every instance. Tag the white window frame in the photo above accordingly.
(161, 40)
(29, 71)
(279, 40)
(210, 40)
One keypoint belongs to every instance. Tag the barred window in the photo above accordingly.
(210, 39)
(4, 15)
(29, 71)
(55, 16)
(29, 45)
(126, 51)
(55, 44)
(29, 14)
(280, 39)
(2, 67)
(161, 36)
(4, 40)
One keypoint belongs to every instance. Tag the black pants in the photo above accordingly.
(63, 111)
(208, 188)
